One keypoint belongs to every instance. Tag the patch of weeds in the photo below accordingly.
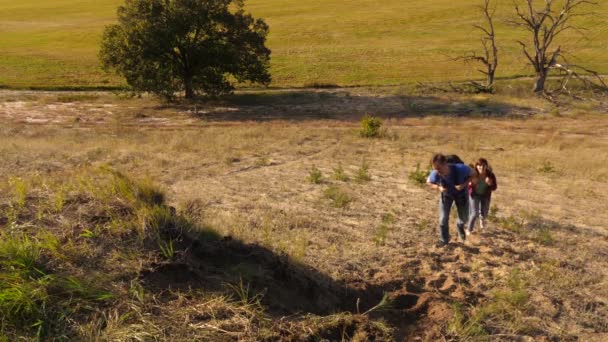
(246, 299)
(20, 252)
(544, 237)
(59, 200)
(547, 167)
(504, 311)
(33, 301)
(338, 197)
(382, 231)
(140, 191)
(467, 327)
(362, 175)
(419, 176)
(370, 127)
(19, 189)
(340, 175)
(512, 223)
(315, 176)
(423, 225)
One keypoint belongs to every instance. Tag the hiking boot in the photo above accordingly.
(468, 232)
(482, 223)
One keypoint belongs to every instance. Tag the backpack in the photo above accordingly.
(454, 159)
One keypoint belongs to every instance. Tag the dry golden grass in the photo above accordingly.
(242, 167)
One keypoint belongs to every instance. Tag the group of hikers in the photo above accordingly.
(468, 187)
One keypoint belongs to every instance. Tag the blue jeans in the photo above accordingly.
(480, 206)
(445, 205)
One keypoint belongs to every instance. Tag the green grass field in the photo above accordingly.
(362, 42)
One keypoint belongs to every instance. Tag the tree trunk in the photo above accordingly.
(188, 87)
(539, 82)
(490, 79)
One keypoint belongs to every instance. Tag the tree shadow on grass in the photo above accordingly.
(344, 105)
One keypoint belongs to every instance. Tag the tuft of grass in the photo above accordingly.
(339, 198)
(362, 175)
(512, 223)
(340, 175)
(144, 192)
(544, 237)
(19, 189)
(370, 127)
(547, 167)
(419, 176)
(467, 327)
(315, 176)
(166, 248)
(504, 310)
(20, 252)
(383, 229)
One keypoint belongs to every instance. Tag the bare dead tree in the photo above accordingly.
(489, 57)
(546, 24)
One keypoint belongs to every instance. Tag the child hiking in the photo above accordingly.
(450, 177)
(481, 186)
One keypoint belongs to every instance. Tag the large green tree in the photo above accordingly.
(194, 46)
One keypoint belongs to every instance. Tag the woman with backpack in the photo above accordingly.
(481, 186)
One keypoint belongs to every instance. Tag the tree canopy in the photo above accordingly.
(194, 46)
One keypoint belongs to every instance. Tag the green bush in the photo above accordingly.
(382, 232)
(547, 167)
(315, 176)
(363, 175)
(340, 175)
(419, 176)
(370, 127)
(338, 197)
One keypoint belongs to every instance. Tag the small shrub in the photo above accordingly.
(419, 176)
(370, 127)
(382, 232)
(339, 198)
(315, 176)
(340, 175)
(363, 175)
(547, 167)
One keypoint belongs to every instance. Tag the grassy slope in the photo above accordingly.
(345, 42)
(540, 269)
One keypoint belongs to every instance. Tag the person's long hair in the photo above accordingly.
(484, 162)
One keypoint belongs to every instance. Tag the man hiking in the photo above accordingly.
(450, 176)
